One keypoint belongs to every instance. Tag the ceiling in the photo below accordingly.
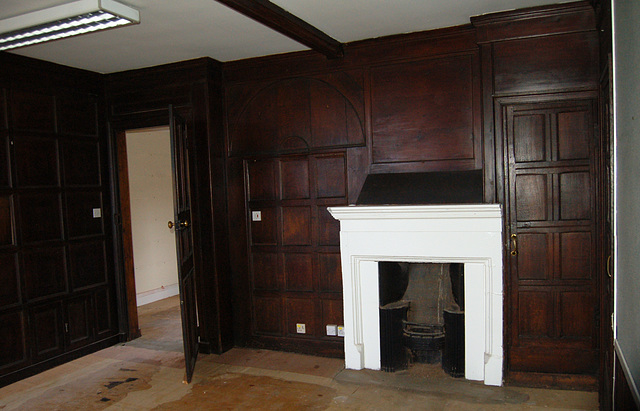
(171, 30)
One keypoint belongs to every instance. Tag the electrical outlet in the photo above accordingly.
(97, 213)
(332, 329)
(256, 216)
(301, 328)
(341, 331)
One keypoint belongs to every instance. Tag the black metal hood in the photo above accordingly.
(451, 187)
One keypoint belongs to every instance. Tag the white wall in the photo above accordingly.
(626, 20)
(151, 196)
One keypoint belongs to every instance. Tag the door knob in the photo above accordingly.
(179, 224)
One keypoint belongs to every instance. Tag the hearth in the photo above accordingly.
(469, 234)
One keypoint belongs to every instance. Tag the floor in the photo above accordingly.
(148, 373)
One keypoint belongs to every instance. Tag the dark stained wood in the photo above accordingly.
(330, 273)
(282, 21)
(36, 161)
(535, 21)
(6, 221)
(88, 265)
(425, 111)
(79, 209)
(551, 198)
(268, 315)
(545, 63)
(183, 221)
(53, 155)
(295, 179)
(265, 271)
(623, 398)
(296, 225)
(81, 163)
(296, 115)
(298, 271)
(9, 292)
(14, 354)
(133, 329)
(45, 272)
(302, 310)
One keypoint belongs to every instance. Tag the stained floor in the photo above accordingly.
(147, 374)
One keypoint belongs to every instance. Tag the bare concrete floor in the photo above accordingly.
(147, 374)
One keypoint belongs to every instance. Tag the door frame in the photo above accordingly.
(122, 238)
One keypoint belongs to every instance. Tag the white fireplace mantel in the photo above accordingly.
(468, 234)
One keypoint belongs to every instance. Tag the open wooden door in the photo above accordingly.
(184, 239)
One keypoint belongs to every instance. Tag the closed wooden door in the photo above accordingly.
(550, 203)
(182, 224)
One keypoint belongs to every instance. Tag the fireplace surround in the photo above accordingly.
(464, 233)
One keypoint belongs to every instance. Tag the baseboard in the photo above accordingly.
(631, 385)
(158, 294)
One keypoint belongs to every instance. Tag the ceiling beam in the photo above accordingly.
(280, 20)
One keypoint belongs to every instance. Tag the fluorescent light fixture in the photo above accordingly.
(66, 20)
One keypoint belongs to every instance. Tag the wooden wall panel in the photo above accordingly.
(268, 315)
(295, 179)
(424, 111)
(575, 195)
(6, 221)
(5, 161)
(296, 225)
(81, 161)
(302, 311)
(546, 63)
(538, 263)
(32, 111)
(331, 176)
(52, 175)
(41, 217)
(80, 206)
(36, 161)
(532, 197)
(262, 180)
(298, 271)
(13, 341)
(328, 228)
(10, 291)
(77, 114)
(47, 330)
(576, 258)
(44, 272)
(265, 271)
(264, 232)
(330, 272)
(87, 264)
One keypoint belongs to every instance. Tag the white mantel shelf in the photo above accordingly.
(465, 233)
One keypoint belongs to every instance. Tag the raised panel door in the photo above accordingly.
(549, 164)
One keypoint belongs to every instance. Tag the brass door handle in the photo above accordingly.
(179, 224)
(609, 266)
(514, 244)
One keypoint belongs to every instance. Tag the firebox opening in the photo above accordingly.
(421, 315)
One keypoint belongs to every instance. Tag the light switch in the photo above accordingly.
(256, 216)
(97, 213)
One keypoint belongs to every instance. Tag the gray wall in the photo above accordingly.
(627, 123)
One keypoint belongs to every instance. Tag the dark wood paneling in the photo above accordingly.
(546, 63)
(105, 313)
(330, 272)
(575, 195)
(6, 221)
(47, 330)
(332, 313)
(268, 315)
(424, 111)
(81, 163)
(36, 161)
(13, 341)
(45, 272)
(295, 114)
(77, 114)
(79, 321)
(79, 213)
(5, 161)
(328, 227)
(302, 311)
(264, 232)
(32, 111)
(3, 109)
(294, 175)
(262, 180)
(10, 291)
(296, 225)
(331, 176)
(87, 264)
(265, 271)
(298, 271)
(41, 218)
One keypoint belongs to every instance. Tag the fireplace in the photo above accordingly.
(470, 234)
